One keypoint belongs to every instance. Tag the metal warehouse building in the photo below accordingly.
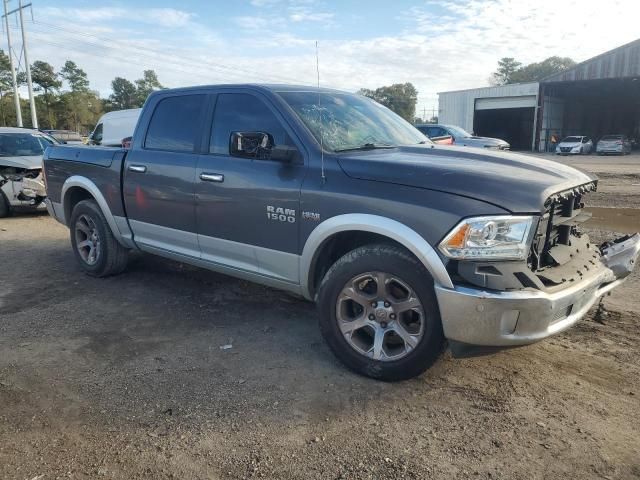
(597, 97)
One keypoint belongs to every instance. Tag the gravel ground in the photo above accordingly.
(168, 371)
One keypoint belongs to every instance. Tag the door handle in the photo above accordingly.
(212, 177)
(137, 168)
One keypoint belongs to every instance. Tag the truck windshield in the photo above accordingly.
(23, 144)
(348, 121)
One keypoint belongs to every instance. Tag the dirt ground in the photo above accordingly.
(125, 378)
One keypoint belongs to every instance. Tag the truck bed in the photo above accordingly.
(103, 165)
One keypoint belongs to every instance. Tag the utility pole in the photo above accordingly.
(16, 96)
(32, 100)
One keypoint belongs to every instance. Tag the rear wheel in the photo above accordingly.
(379, 313)
(97, 251)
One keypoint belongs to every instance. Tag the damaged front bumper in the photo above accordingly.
(496, 318)
(23, 190)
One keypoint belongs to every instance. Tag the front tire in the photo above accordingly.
(379, 314)
(97, 251)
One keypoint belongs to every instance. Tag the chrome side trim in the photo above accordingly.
(264, 261)
(121, 232)
(165, 238)
(226, 270)
(282, 265)
(232, 256)
(374, 224)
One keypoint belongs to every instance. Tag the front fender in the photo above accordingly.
(384, 226)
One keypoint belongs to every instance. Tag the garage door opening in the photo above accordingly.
(515, 125)
(599, 107)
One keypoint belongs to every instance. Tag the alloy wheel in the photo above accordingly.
(380, 316)
(87, 239)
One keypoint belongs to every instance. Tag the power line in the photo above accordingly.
(178, 68)
(105, 43)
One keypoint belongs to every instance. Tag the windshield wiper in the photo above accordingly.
(366, 146)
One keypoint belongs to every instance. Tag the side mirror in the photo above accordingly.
(250, 145)
(260, 146)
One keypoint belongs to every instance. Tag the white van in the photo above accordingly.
(113, 127)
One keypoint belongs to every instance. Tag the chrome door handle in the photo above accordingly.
(137, 168)
(211, 177)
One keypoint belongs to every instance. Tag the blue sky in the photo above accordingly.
(437, 45)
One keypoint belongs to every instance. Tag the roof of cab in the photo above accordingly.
(18, 130)
(271, 87)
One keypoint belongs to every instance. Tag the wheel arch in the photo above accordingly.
(366, 226)
(77, 188)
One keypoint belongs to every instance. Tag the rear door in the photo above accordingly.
(248, 209)
(159, 174)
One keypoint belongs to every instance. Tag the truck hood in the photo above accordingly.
(518, 183)
(29, 162)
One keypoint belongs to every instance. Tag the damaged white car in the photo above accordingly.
(21, 182)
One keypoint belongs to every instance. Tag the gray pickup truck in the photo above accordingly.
(403, 244)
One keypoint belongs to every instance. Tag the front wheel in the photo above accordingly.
(379, 313)
(97, 251)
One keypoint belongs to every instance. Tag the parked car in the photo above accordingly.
(330, 195)
(618, 144)
(65, 136)
(574, 145)
(461, 137)
(113, 127)
(21, 184)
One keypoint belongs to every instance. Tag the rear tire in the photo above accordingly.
(397, 332)
(5, 210)
(97, 251)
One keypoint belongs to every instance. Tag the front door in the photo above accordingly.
(159, 176)
(248, 208)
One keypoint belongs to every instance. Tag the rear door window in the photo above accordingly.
(175, 124)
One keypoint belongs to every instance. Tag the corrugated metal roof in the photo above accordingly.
(621, 62)
(500, 90)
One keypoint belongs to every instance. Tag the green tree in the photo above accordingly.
(399, 97)
(78, 111)
(79, 108)
(145, 85)
(75, 77)
(124, 94)
(506, 67)
(46, 79)
(537, 71)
